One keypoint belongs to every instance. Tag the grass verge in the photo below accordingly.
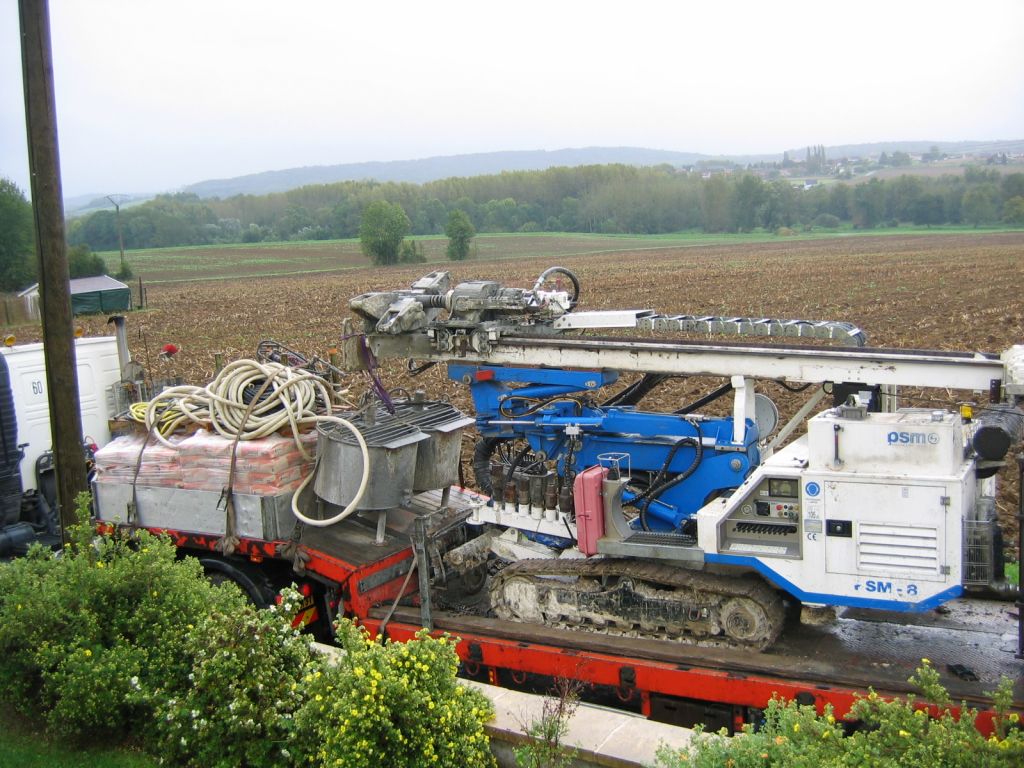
(22, 747)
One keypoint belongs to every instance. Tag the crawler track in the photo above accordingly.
(640, 599)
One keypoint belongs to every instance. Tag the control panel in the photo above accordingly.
(766, 522)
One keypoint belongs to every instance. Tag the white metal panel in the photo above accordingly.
(910, 442)
(868, 366)
(897, 529)
(98, 370)
(617, 318)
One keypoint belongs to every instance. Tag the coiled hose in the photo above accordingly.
(288, 397)
(363, 482)
(248, 400)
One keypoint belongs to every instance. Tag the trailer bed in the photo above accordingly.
(855, 651)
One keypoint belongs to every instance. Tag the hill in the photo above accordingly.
(480, 164)
(434, 168)
(428, 169)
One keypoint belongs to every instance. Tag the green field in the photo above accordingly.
(210, 262)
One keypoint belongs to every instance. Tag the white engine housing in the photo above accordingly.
(862, 511)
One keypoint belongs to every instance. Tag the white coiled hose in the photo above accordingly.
(289, 399)
(363, 482)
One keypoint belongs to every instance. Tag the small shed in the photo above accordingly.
(89, 295)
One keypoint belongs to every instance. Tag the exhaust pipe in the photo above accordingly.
(121, 334)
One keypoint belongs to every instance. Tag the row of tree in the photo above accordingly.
(606, 199)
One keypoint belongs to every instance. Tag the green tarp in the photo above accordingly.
(95, 302)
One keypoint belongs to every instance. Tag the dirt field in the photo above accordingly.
(944, 292)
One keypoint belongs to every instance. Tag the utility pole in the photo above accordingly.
(51, 249)
(120, 236)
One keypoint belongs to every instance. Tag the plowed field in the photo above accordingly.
(963, 292)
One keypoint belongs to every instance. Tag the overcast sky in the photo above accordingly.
(153, 95)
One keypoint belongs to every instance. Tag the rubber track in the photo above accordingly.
(708, 589)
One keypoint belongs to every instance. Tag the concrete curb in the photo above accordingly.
(600, 736)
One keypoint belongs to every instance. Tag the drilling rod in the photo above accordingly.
(864, 365)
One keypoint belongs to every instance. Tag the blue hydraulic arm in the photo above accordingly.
(678, 463)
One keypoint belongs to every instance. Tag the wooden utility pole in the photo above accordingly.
(120, 236)
(51, 249)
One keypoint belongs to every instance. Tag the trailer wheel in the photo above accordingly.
(255, 585)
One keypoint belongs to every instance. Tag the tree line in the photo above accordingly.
(18, 266)
(599, 199)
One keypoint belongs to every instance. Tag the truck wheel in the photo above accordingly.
(255, 585)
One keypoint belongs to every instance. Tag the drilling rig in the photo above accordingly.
(646, 552)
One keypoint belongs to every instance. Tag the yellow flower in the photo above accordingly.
(796, 727)
(825, 734)
(100, 564)
(904, 734)
(831, 719)
(926, 661)
(1014, 717)
(87, 652)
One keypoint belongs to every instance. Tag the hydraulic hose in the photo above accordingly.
(561, 271)
(363, 482)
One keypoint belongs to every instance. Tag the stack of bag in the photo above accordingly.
(161, 466)
(265, 467)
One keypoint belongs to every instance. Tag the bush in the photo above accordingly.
(393, 704)
(826, 221)
(890, 733)
(90, 641)
(244, 688)
(411, 252)
(82, 262)
(118, 638)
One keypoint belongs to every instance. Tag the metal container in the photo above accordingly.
(392, 447)
(437, 459)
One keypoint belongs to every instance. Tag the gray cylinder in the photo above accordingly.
(437, 458)
(392, 450)
(998, 428)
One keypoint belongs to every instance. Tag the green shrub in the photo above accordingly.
(244, 688)
(889, 733)
(826, 221)
(118, 638)
(91, 640)
(392, 704)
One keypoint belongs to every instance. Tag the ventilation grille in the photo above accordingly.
(898, 549)
(981, 540)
